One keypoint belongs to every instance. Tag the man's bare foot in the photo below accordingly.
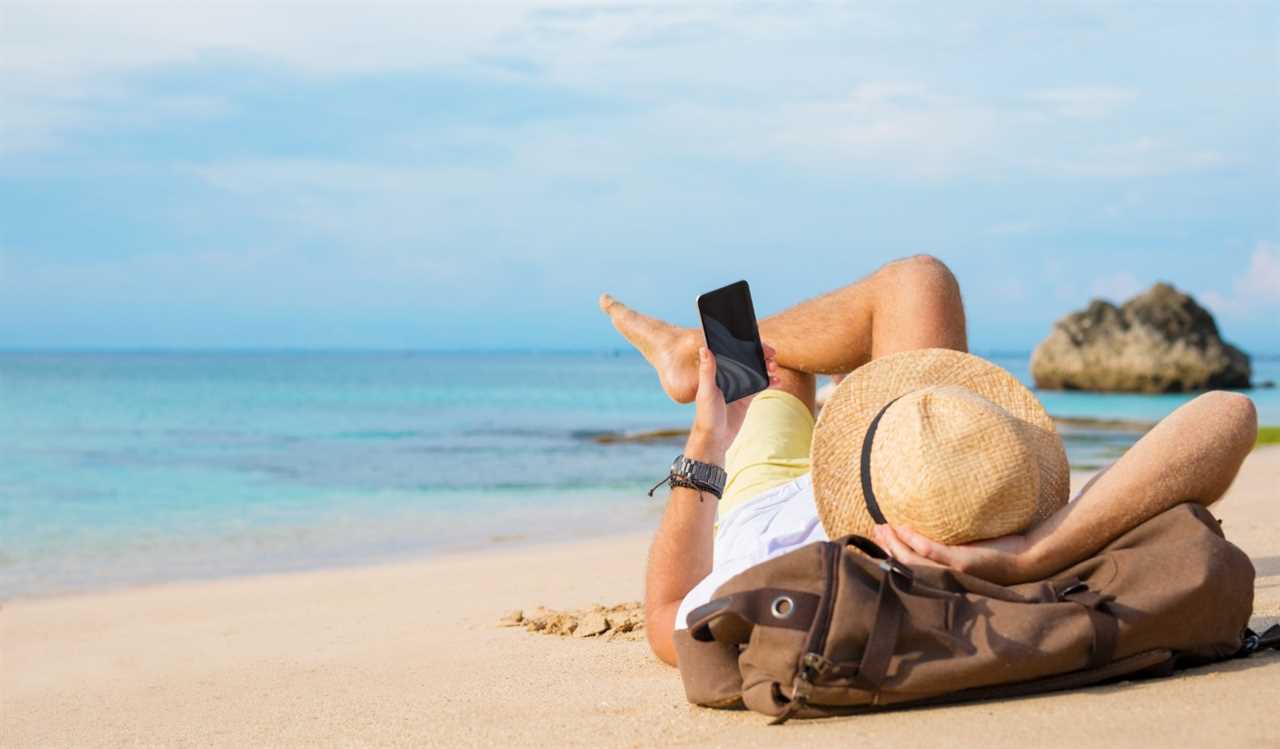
(673, 351)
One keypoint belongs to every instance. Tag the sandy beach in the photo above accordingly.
(409, 654)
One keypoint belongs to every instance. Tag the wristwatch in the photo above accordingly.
(694, 474)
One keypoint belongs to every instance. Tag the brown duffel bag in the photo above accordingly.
(839, 627)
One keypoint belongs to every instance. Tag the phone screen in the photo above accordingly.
(729, 323)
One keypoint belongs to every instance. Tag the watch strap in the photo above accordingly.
(695, 474)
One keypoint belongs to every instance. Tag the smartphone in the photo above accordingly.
(729, 323)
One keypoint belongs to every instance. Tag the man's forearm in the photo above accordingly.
(681, 553)
(1190, 456)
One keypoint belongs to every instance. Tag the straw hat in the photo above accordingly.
(959, 450)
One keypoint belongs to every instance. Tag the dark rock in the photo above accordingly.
(1158, 342)
(644, 438)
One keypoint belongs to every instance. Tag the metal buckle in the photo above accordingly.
(1075, 587)
(894, 567)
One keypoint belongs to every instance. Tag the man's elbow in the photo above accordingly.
(659, 629)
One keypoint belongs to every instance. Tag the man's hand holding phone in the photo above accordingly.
(729, 326)
(716, 423)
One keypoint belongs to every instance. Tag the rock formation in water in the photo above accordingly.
(1157, 342)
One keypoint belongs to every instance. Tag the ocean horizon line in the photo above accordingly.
(991, 353)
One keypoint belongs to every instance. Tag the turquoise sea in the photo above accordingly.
(121, 468)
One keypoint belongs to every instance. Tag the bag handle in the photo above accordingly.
(730, 619)
(882, 558)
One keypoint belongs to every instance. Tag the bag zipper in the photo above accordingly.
(822, 624)
(813, 664)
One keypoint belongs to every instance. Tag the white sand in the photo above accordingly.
(409, 654)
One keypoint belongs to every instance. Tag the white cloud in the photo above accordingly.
(891, 123)
(1116, 287)
(1085, 102)
(62, 65)
(53, 39)
(1262, 280)
(1145, 156)
(911, 128)
(1252, 291)
(829, 88)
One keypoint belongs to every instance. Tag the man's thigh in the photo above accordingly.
(771, 448)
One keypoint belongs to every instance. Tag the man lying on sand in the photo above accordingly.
(768, 505)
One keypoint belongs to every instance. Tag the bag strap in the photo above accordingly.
(869, 672)
(1106, 628)
(884, 634)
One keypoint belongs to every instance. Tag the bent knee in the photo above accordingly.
(1235, 406)
(1234, 411)
(922, 272)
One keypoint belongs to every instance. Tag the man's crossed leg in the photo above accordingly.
(764, 442)
(907, 304)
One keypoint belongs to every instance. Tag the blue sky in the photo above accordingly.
(472, 176)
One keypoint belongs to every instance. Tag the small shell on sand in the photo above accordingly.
(622, 621)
